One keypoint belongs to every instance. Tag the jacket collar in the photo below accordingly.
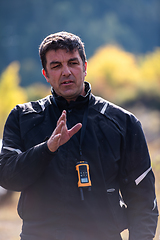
(78, 103)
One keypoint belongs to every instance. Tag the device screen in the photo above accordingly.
(83, 174)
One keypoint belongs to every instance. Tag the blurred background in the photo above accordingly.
(122, 41)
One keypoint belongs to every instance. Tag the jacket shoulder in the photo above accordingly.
(35, 106)
(27, 116)
(115, 113)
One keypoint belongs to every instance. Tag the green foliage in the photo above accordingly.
(11, 93)
(31, 71)
(134, 25)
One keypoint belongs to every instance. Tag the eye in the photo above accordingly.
(55, 66)
(73, 63)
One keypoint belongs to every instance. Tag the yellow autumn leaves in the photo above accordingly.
(10, 92)
(114, 74)
(120, 76)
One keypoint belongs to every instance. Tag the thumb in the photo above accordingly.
(74, 129)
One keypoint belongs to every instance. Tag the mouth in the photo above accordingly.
(67, 82)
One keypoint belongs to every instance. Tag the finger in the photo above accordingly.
(62, 117)
(74, 129)
(59, 127)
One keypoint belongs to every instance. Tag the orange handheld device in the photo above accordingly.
(84, 180)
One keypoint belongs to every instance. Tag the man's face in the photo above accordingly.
(65, 72)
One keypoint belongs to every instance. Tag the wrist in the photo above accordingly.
(51, 148)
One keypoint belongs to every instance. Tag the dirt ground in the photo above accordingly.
(10, 223)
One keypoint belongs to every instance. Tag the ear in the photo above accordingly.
(45, 74)
(85, 68)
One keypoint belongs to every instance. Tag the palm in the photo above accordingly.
(61, 134)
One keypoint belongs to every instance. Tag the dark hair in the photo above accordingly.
(61, 40)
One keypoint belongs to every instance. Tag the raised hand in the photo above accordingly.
(61, 134)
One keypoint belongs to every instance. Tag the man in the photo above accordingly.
(80, 162)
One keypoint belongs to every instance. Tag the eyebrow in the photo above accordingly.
(73, 59)
(54, 62)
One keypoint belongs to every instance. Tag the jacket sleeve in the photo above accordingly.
(137, 184)
(20, 168)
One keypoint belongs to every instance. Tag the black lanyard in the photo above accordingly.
(83, 129)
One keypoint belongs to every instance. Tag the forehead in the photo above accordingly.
(62, 55)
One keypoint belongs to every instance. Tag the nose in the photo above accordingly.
(66, 71)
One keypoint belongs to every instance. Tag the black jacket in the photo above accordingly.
(122, 193)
